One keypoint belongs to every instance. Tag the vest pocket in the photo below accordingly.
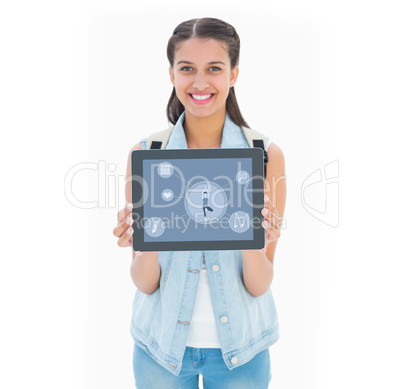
(144, 307)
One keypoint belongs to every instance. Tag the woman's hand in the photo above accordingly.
(124, 230)
(271, 222)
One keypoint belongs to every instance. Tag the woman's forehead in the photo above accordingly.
(202, 51)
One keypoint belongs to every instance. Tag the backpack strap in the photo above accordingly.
(257, 139)
(159, 140)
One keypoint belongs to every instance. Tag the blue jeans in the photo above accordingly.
(208, 362)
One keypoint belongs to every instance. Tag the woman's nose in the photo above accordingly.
(200, 81)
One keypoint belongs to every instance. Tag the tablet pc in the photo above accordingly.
(197, 199)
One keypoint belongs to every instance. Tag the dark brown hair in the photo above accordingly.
(205, 28)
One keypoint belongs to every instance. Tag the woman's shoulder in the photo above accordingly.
(159, 135)
(138, 146)
(276, 160)
(141, 145)
(275, 152)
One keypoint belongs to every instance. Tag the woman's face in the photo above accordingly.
(202, 76)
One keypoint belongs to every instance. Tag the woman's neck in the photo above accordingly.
(204, 133)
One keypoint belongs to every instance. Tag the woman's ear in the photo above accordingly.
(171, 75)
(233, 75)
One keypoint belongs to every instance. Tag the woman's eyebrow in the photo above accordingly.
(209, 63)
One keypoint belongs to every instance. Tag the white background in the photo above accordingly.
(83, 81)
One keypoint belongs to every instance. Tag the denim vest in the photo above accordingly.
(160, 321)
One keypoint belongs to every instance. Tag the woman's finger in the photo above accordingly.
(122, 227)
(271, 235)
(126, 238)
(270, 221)
(123, 213)
(271, 214)
(272, 231)
(270, 206)
(264, 249)
(136, 253)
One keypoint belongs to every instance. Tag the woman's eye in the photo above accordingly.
(186, 68)
(215, 68)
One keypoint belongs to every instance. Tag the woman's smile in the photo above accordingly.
(201, 98)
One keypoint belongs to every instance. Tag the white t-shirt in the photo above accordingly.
(203, 332)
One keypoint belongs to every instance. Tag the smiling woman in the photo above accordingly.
(208, 313)
(202, 87)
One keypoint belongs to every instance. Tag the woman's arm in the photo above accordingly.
(145, 270)
(258, 266)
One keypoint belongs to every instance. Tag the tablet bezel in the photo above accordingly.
(257, 156)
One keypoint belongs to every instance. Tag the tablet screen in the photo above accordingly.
(197, 203)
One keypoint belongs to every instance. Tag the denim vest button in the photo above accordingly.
(224, 319)
(215, 268)
(234, 360)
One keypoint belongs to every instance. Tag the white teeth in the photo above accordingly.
(199, 97)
